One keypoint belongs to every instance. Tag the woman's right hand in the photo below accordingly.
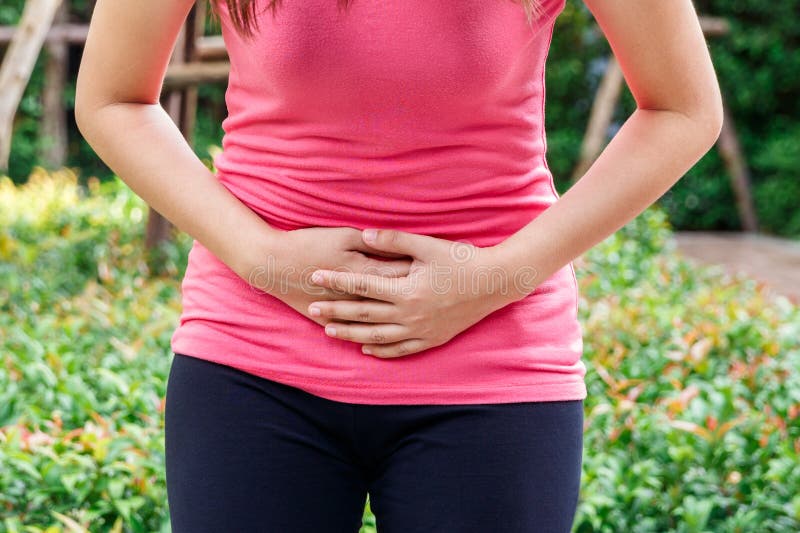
(284, 271)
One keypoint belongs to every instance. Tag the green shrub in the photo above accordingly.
(55, 235)
(84, 333)
(692, 415)
(759, 71)
(692, 418)
(757, 65)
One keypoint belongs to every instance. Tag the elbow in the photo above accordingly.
(85, 111)
(711, 120)
(709, 116)
(80, 120)
(85, 93)
(80, 107)
(87, 104)
(85, 115)
(82, 113)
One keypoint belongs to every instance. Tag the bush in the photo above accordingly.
(692, 415)
(758, 68)
(756, 63)
(82, 323)
(691, 420)
(57, 235)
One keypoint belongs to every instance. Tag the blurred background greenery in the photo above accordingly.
(758, 64)
(693, 412)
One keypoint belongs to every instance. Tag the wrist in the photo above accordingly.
(519, 278)
(259, 258)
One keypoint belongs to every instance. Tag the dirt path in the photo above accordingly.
(773, 260)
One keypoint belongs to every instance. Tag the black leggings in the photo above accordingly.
(246, 454)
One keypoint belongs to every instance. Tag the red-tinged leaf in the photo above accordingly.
(700, 349)
(691, 427)
(72, 525)
(605, 376)
(729, 425)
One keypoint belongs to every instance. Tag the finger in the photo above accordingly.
(365, 285)
(356, 243)
(304, 284)
(369, 250)
(390, 240)
(354, 310)
(387, 268)
(397, 349)
(363, 333)
(318, 292)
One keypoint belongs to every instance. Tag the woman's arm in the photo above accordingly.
(118, 112)
(666, 63)
(664, 58)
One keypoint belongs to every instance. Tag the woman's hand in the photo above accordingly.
(285, 270)
(451, 285)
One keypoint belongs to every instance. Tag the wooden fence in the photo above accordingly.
(199, 59)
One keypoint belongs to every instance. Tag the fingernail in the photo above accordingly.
(330, 330)
(316, 277)
(366, 350)
(314, 311)
(370, 235)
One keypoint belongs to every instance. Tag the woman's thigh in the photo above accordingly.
(248, 454)
(510, 468)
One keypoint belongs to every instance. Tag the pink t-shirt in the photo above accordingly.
(422, 115)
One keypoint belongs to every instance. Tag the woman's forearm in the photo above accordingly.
(145, 148)
(646, 157)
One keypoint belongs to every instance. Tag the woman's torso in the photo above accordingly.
(422, 115)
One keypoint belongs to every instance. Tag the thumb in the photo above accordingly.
(401, 242)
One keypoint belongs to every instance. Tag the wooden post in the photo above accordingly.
(184, 75)
(731, 153)
(71, 33)
(195, 25)
(18, 63)
(605, 102)
(54, 119)
(600, 118)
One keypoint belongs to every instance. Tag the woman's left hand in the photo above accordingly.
(451, 285)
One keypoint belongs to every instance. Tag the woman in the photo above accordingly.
(397, 150)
